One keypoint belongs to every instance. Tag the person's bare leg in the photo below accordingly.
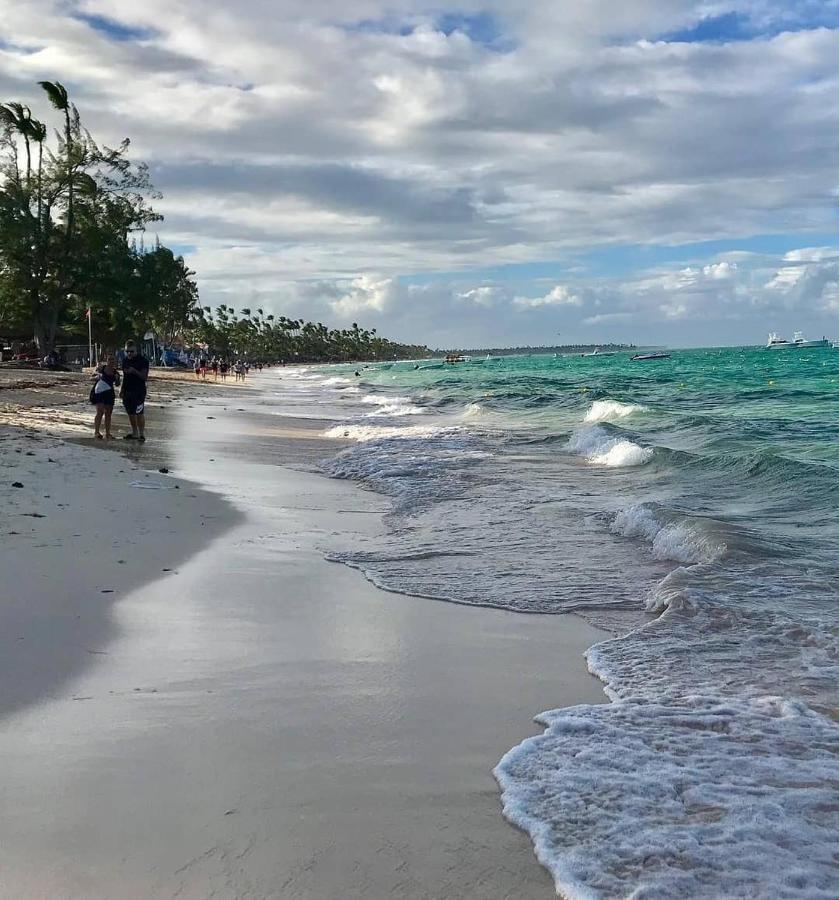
(108, 413)
(133, 420)
(141, 426)
(100, 409)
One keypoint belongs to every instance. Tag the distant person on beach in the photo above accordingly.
(214, 367)
(103, 396)
(223, 368)
(135, 373)
(196, 367)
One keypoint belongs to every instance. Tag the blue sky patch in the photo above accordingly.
(481, 28)
(116, 31)
(732, 26)
(737, 26)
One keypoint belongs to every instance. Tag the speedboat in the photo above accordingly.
(799, 342)
(598, 352)
(642, 356)
(453, 358)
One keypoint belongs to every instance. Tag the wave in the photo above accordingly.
(390, 407)
(677, 541)
(364, 433)
(603, 449)
(607, 410)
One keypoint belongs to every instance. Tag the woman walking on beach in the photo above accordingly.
(103, 396)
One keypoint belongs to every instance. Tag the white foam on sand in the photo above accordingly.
(705, 799)
(603, 449)
(608, 410)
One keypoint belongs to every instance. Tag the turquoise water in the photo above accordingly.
(688, 506)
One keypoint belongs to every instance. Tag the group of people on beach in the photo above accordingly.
(132, 392)
(222, 367)
(132, 388)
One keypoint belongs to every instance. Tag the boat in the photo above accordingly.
(454, 358)
(642, 356)
(799, 342)
(598, 352)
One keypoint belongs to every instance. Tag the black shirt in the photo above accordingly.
(131, 383)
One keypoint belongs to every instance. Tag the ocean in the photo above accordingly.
(688, 506)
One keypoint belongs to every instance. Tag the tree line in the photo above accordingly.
(72, 217)
(257, 336)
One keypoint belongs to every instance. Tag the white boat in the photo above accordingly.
(454, 358)
(598, 352)
(798, 342)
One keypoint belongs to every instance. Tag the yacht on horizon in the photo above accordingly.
(776, 342)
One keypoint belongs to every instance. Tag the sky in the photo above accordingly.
(481, 173)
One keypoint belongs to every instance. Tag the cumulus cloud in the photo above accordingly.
(561, 295)
(364, 294)
(485, 295)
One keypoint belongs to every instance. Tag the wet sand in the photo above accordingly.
(263, 723)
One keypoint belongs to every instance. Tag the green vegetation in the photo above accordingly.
(72, 215)
(265, 337)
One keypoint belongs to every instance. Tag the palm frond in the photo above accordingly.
(57, 94)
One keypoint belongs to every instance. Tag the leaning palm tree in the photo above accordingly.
(18, 118)
(59, 98)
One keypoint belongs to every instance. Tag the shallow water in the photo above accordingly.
(701, 489)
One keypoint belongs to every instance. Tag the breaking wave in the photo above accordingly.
(607, 410)
(603, 449)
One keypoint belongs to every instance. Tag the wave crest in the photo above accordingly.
(602, 449)
(677, 541)
(606, 410)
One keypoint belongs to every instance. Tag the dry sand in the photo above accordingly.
(257, 722)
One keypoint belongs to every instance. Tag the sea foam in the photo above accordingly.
(363, 433)
(608, 410)
(603, 449)
(659, 800)
(390, 406)
(679, 541)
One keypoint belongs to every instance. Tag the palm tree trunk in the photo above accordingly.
(68, 147)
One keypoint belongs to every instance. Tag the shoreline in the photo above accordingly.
(223, 708)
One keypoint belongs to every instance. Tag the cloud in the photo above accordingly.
(365, 294)
(561, 295)
(302, 144)
(486, 296)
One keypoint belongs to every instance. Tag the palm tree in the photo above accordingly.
(18, 118)
(59, 98)
(38, 132)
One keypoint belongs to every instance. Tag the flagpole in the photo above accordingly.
(90, 336)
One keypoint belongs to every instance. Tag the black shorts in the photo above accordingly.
(134, 404)
(106, 398)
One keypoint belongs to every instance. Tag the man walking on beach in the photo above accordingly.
(135, 371)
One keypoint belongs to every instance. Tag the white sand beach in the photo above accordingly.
(240, 717)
